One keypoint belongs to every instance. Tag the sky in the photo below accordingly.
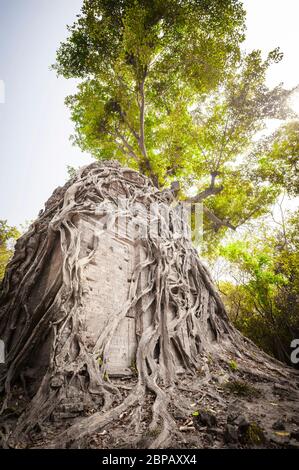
(34, 122)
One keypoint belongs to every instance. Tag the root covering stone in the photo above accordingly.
(115, 334)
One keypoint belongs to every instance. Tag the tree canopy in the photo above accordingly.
(142, 64)
(166, 90)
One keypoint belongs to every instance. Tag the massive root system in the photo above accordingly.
(185, 344)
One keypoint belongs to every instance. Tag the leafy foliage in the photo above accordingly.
(165, 90)
(142, 63)
(278, 158)
(264, 299)
(7, 236)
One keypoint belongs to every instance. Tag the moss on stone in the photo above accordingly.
(254, 435)
(240, 388)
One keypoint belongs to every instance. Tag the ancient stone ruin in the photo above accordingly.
(109, 318)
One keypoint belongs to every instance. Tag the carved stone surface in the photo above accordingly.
(107, 283)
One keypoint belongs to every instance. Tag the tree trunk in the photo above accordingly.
(111, 321)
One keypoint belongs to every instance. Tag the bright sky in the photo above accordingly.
(34, 122)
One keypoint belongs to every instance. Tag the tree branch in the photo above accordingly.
(142, 113)
(210, 191)
(131, 128)
(142, 146)
(130, 149)
(223, 142)
(216, 221)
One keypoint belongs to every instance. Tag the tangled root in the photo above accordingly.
(187, 340)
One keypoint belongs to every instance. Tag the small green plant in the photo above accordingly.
(100, 361)
(254, 434)
(241, 388)
(134, 369)
(106, 377)
(233, 365)
(154, 432)
(195, 413)
(210, 359)
(71, 171)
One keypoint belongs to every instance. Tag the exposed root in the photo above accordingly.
(187, 342)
